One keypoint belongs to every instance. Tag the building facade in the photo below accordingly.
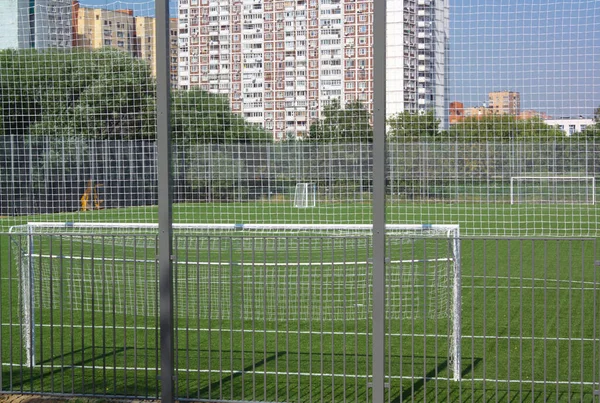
(281, 62)
(456, 112)
(145, 40)
(173, 51)
(39, 24)
(96, 28)
(570, 125)
(504, 103)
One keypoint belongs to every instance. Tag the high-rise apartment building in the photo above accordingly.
(96, 28)
(39, 24)
(121, 29)
(504, 103)
(173, 50)
(145, 36)
(281, 62)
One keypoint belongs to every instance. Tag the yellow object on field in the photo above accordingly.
(91, 190)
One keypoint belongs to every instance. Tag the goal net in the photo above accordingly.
(239, 272)
(305, 195)
(553, 189)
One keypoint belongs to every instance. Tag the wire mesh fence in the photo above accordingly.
(64, 179)
(327, 122)
(289, 317)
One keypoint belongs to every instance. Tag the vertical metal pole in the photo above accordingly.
(165, 198)
(379, 196)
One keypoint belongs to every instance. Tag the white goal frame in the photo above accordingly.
(514, 180)
(305, 195)
(407, 231)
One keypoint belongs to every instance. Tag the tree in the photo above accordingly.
(590, 132)
(105, 94)
(409, 126)
(503, 128)
(597, 115)
(201, 117)
(339, 125)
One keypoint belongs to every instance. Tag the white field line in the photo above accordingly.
(533, 279)
(319, 374)
(282, 331)
(350, 263)
(465, 285)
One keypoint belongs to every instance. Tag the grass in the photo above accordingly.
(529, 311)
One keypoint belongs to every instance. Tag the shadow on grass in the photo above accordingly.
(81, 372)
(419, 384)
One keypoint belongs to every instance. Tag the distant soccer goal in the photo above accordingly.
(266, 272)
(553, 189)
(305, 195)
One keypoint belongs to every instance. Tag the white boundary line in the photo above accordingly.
(467, 287)
(319, 374)
(337, 333)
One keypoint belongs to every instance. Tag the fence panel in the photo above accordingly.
(45, 176)
(288, 318)
(79, 314)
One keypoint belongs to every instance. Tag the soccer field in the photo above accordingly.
(286, 316)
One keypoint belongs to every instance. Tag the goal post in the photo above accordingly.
(305, 195)
(553, 189)
(264, 272)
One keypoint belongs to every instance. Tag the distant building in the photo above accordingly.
(96, 28)
(456, 112)
(39, 24)
(173, 49)
(504, 103)
(477, 112)
(282, 62)
(570, 125)
(145, 36)
(531, 114)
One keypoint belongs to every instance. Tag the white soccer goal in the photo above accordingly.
(265, 272)
(553, 189)
(305, 195)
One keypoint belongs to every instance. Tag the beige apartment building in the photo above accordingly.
(145, 37)
(96, 28)
(504, 103)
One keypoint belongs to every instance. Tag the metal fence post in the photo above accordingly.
(379, 196)
(596, 334)
(165, 206)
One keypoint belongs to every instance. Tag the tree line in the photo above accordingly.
(108, 94)
(352, 124)
(105, 94)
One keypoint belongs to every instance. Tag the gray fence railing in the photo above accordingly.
(48, 176)
(259, 318)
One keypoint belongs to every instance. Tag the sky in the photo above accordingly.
(547, 50)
